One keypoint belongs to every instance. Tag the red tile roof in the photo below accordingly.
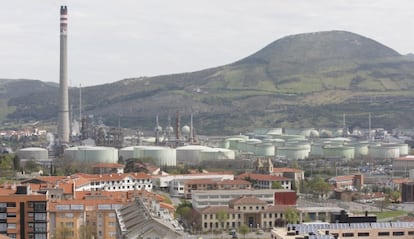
(262, 177)
(247, 201)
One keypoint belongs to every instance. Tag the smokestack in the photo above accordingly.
(63, 121)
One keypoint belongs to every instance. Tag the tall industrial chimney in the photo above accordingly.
(63, 121)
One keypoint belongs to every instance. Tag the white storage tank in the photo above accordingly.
(274, 132)
(293, 152)
(234, 142)
(310, 133)
(126, 153)
(291, 137)
(190, 154)
(92, 154)
(163, 156)
(361, 148)
(317, 149)
(404, 149)
(265, 149)
(301, 143)
(33, 153)
(250, 145)
(217, 154)
(275, 142)
(339, 151)
(325, 133)
(384, 151)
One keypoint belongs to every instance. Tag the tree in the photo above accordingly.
(276, 185)
(222, 217)
(394, 196)
(16, 163)
(318, 186)
(31, 166)
(86, 232)
(291, 215)
(244, 229)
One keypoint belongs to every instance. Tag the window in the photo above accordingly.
(398, 233)
(69, 215)
(11, 204)
(40, 236)
(11, 226)
(69, 224)
(348, 234)
(411, 233)
(383, 233)
(11, 214)
(39, 206)
(3, 227)
(40, 227)
(12, 235)
(40, 216)
(363, 234)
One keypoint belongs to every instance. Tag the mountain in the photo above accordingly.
(305, 80)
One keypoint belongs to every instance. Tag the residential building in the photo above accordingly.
(174, 184)
(296, 175)
(402, 166)
(348, 182)
(266, 181)
(407, 192)
(145, 219)
(24, 213)
(210, 184)
(205, 198)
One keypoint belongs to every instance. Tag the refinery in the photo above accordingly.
(80, 178)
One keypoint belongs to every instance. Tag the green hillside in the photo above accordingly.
(305, 80)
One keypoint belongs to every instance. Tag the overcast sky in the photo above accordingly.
(109, 40)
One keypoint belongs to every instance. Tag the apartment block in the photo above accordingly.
(24, 214)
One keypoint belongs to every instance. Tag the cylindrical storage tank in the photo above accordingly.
(338, 151)
(361, 149)
(234, 142)
(274, 131)
(292, 152)
(163, 156)
(189, 154)
(217, 154)
(265, 149)
(33, 153)
(292, 131)
(384, 151)
(317, 149)
(225, 144)
(309, 133)
(404, 149)
(326, 133)
(304, 143)
(127, 152)
(275, 142)
(92, 154)
(291, 137)
(340, 140)
(251, 145)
